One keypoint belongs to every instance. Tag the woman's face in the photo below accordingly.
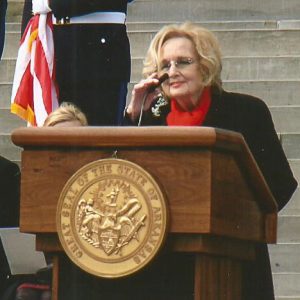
(180, 60)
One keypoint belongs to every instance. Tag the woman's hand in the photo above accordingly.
(137, 96)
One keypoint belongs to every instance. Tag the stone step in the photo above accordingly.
(287, 286)
(274, 93)
(295, 165)
(11, 44)
(290, 143)
(256, 42)
(8, 149)
(212, 25)
(285, 258)
(13, 26)
(14, 10)
(286, 298)
(9, 121)
(286, 119)
(293, 206)
(234, 68)
(5, 92)
(204, 10)
(261, 68)
(289, 24)
(236, 42)
(288, 229)
(246, 68)
(219, 25)
(7, 69)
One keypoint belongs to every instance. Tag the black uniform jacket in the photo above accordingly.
(249, 116)
(70, 8)
(87, 54)
(92, 59)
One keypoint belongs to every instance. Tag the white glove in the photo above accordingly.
(40, 7)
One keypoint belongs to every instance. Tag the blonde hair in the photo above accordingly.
(67, 112)
(206, 46)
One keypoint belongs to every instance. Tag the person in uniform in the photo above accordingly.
(92, 54)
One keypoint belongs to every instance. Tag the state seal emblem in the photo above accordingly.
(111, 218)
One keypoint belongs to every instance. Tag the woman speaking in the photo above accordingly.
(193, 96)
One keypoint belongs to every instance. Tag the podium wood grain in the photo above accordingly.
(219, 202)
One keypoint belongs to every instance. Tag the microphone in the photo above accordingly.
(161, 79)
(151, 89)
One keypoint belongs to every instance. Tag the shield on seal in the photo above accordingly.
(108, 239)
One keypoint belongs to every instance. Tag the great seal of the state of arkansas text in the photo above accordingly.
(111, 218)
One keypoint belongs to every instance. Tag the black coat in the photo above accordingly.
(251, 117)
(9, 196)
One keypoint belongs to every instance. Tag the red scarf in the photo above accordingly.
(178, 117)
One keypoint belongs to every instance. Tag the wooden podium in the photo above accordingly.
(219, 202)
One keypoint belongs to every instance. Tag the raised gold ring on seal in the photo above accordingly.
(111, 218)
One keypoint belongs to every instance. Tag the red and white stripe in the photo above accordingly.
(34, 93)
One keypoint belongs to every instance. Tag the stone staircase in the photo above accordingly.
(261, 48)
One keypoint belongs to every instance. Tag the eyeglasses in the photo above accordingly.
(180, 64)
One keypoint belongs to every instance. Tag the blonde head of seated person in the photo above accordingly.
(67, 115)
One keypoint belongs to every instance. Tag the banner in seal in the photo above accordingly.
(111, 218)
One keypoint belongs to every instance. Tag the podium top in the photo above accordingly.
(128, 137)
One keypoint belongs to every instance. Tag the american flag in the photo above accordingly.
(34, 93)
